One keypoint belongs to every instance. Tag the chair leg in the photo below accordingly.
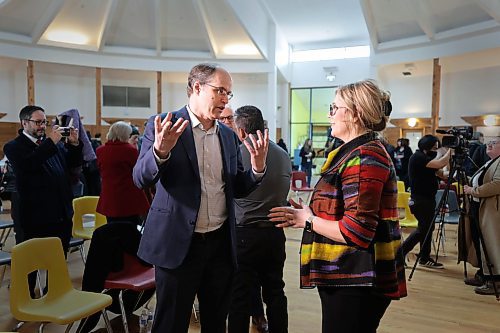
(124, 314)
(18, 326)
(106, 321)
(2, 274)
(82, 253)
(68, 328)
(82, 325)
(40, 328)
(138, 300)
(147, 303)
(39, 282)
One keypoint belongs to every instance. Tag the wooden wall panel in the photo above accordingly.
(8, 131)
(392, 134)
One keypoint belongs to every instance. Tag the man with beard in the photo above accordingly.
(42, 164)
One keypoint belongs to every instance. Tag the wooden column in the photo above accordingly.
(31, 83)
(436, 94)
(158, 93)
(98, 100)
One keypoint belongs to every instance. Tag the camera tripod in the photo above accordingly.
(456, 173)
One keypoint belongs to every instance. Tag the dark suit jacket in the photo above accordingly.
(43, 179)
(172, 217)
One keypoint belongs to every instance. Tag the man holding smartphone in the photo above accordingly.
(42, 163)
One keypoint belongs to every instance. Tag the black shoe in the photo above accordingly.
(430, 263)
(476, 281)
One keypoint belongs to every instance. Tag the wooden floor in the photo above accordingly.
(438, 300)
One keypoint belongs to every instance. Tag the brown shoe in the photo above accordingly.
(260, 323)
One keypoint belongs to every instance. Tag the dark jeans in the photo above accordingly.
(207, 271)
(307, 168)
(257, 308)
(351, 309)
(423, 209)
(261, 258)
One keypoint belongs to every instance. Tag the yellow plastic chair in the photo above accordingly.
(409, 221)
(401, 186)
(86, 206)
(62, 304)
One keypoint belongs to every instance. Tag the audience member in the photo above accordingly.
(282, 144)
(9, 192)
(261, 246)
(401, 158)
(351, 245)
(468, 164)
(423, 167)
(189, 234)
(479, 157)
(257, 310)
(120, 199)
(307, 154)
(90, 173)
(486, 188)
(227, 117)
(42, 164)
(134, 137)
(96, 141)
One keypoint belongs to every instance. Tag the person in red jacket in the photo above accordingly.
(120, 199)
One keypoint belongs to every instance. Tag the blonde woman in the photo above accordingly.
(351, 245)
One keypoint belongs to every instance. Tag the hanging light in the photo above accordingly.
(490, 120)
(412, 122)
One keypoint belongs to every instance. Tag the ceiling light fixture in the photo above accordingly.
(70, 37)
(330, 77)
(240, 49)
(330, 73)
(412, 122)
(490, 120)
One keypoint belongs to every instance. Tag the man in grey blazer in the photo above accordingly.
(195, 163)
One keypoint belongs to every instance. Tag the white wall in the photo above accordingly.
(59, 88)
(312, 74)
(468, 91)
(13, 90)
(62, 87)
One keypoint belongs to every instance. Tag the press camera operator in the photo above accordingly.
(424, 167)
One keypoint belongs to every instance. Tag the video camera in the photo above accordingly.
(459, 138)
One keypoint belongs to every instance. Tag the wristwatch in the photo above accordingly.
(309, 223)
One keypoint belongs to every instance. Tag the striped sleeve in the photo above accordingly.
(363, 181)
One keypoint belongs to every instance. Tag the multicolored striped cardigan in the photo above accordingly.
(358, 189)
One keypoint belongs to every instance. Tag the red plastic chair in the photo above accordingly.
(134, 276)
(299, 183)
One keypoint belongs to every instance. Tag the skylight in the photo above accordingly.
(331, 54)
(71, 37)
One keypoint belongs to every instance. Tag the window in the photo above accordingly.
(309, 116)
(126, 96)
